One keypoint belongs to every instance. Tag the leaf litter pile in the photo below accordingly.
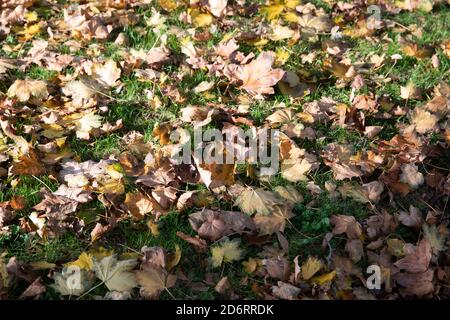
(92, 206)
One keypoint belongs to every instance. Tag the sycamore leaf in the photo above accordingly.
(106, 74)
(258, 77)
(418, 260)
(273, 222)
(295, 170)
(84, 261)
(257, 201)
(169, 5)
(289, 193)
(72, 281)
(86, 123)
(116, 274)
(226, 251)
(138, 204)
(410, 92)
(26, 89)
(213, 225)
(29, 164)
(79, 91)
(413, 218)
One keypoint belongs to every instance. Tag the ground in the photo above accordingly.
(367, 108)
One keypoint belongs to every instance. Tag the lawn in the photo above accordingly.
(90, 92)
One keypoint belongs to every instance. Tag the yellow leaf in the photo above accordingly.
(324, 278)
(30, 31)
(100, 253)
(272, 12)
(251, 265)
(311, 267)
(257, 201)
(154, 280)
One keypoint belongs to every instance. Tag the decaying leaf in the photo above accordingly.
(116, 274)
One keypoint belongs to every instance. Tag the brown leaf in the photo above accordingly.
(416, 284)
(346, 224)
(285, 291)
(5, 216)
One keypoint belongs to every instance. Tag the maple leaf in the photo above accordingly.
(411, 175)
(257, 201)
(418, 260)
(27, 89)
(79, 91)
(273, 222)
(226, 251)
(310, 267)
(138, 204)
(277, 267)
(213, 225)
(107, 73)
(116, 274)
(258, 77)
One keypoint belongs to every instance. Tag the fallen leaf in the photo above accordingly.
(116, 274)
(226, 251)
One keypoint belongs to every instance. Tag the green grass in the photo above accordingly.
(311, 222)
